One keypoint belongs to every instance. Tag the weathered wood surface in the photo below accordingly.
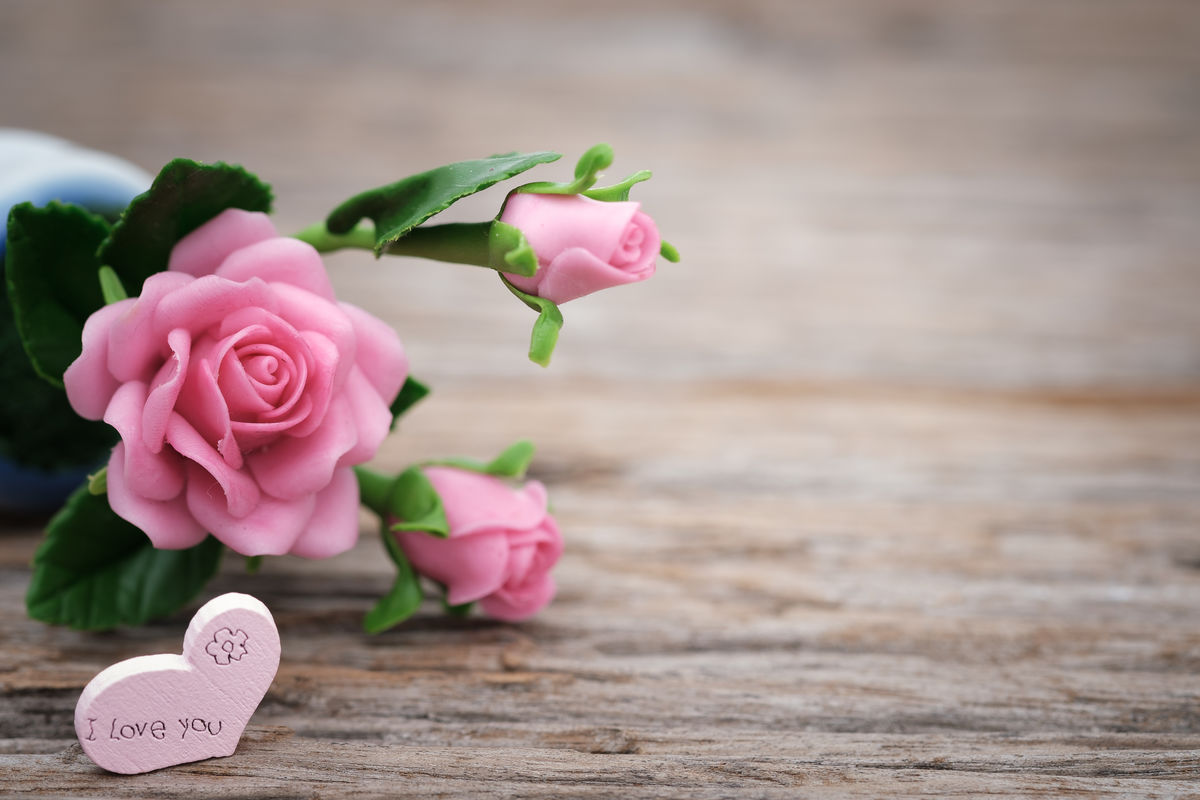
(892, 488)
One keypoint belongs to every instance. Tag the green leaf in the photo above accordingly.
(411, 393)
(399, 207)
(416, 504)
(510, 251)
(544, 336)
(50, 270)
(95, 571)
(595, 159)
(38, 427)
(512, 463)
(401, 601)
(185, 195)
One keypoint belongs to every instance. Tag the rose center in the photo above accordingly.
(262, 368)
(630, 248)
(269, 369)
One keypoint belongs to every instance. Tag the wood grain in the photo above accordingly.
(891, 488)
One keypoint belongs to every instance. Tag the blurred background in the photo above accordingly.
(1000, 194)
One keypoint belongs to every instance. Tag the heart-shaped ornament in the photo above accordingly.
(150, 712)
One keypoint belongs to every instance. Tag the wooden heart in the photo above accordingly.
(151, 712)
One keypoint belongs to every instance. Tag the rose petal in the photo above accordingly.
(520, 560)
(380, 355)
(333, 528)
(309, 313)
(234, 489)
(254, 435)
(154, 476)
(470, 567)
(575, 272)
(204, 407)
(294, 466)
(89, 383)
(548, 544)
(164, 391)
(205, 302)
(372, 419)
(554, 223)
(261, 333)
(254, 383)
(280, 260)
(514, 605)
(203, 250)
(270, 528)
(169, 524)
(135, 349)
(323, 370)
(475, 502)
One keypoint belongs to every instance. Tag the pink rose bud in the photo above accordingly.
(582, 245)
(243, 391)
(501, 547)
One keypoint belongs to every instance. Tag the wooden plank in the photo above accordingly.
(1007, 608)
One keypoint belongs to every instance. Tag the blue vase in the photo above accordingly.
(38, 168)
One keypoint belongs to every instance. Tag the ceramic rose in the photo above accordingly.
(243, 391)
(582, 245)
(501, 548)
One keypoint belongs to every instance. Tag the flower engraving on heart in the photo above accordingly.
(227, 646)
(150, 712)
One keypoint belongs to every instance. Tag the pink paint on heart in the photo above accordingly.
(150, 712)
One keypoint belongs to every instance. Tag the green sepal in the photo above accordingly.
(416, 505)
(512, 463)
(400, 603)
(510, 251)
(185, 195)
(253, 564)
(111, 287)
(461, 610)
(97, 482)
(618, 191)
(95, 571)
(50, 270)
(549, 322)
(399, 207)
(374, 490)
(587, 169)
(411, 393)
(668, 251)
(405, 596)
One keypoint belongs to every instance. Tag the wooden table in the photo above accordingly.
(892, 487)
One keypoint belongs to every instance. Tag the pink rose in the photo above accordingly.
(243, 393)
(501, 547)
(582, 245)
